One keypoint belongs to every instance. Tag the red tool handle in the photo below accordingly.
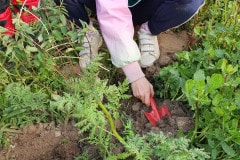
(153, 105)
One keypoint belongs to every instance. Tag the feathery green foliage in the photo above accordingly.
(21, 106)
(81, 102)
(170, 148)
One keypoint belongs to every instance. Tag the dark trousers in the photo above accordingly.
(3, 5)
(160, 14)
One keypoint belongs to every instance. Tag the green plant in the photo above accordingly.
(21, 106)
(207, 78)
(215, 98)
(82, 101)
(38, 52)
(94, 113)
(4, 140)
(160, 147)
(170, 148)
(31, 65)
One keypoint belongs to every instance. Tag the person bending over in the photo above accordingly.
(117, 19)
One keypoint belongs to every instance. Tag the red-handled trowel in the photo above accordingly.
(156, 114)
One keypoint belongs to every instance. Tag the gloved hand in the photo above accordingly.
(142, 89)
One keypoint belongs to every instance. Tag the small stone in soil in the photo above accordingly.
(148, 125)
(155, 130)
(161, 124)
(136, 106)
(57, 133)
(172, 122)
(184, 123)
(119, 149)
(164, 60)
(138, 129)
(118, 124)
(178, 112)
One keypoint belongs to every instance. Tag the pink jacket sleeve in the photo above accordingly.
(116, 24)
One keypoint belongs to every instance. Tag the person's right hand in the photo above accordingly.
(142, 89)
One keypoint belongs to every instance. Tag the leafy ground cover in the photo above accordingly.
(52, 109)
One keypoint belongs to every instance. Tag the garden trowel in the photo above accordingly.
(156, 114)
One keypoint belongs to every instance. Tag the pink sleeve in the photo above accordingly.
(116, 24)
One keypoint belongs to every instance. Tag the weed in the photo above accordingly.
(30, 67)
(207, 78)
(21, 106)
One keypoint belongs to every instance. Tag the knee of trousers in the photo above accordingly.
(188, 8)
(176, 13)
(68, 3)
(4, 4)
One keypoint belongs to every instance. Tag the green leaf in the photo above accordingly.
(227, 149)
(70, 50)
(36, 63)
(40, 38)
(64, 29)
(214, 154)
(231, 69)
(31, 49)
(219, 111)
(63, 20)
(40, 57)
(73, 35)
(217, 99)
(2, 29)
(214, 82)
(219, 53)
(224, 66)
(57, 35)
(199, 75)
(9, 50)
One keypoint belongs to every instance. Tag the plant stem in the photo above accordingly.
(10, 130)
(196, 122)
(112, 125)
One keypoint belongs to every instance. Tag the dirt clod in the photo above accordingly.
(118, 124)
(136, 106)
(185, 124)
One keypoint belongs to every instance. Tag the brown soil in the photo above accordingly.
(50, 142)
(180, 119)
